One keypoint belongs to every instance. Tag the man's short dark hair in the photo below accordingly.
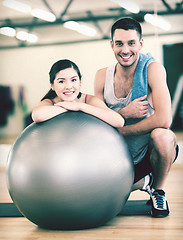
(126, 24)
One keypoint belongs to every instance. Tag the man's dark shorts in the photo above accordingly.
(144, 167)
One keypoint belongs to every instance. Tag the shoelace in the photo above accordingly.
(159, 200)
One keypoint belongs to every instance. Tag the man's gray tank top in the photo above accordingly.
(138, 145)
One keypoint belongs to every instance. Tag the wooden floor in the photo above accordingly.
(120, 228)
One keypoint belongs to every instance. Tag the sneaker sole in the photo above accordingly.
(159, 216)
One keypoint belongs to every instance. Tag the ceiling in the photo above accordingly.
(99, 14)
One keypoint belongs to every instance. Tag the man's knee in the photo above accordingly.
(162, 138)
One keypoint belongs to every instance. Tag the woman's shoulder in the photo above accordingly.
(90, 99)
(49, 101)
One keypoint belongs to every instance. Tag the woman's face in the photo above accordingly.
(67, 84)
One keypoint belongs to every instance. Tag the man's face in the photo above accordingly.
(126, 45)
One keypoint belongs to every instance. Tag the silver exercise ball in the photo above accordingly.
(70, 172)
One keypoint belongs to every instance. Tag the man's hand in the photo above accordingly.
(138, 108)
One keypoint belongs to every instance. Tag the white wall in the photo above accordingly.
(30, 66)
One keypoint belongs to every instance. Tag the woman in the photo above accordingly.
(65, 95)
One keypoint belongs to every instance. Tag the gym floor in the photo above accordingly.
(123, 227)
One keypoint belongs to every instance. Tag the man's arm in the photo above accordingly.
(99, 83)
(162, 116)
(136, 109)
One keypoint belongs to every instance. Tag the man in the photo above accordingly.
(136, 88)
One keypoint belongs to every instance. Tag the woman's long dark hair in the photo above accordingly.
(57, 67)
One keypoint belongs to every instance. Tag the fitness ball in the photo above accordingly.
(73, 171)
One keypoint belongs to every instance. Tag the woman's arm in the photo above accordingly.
(97, 108)
(46, 110)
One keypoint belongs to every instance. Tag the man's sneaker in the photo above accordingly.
(148, 184)
(159, 204)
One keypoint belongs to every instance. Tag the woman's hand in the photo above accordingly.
(72, 106)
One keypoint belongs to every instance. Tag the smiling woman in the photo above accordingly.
(65, 95)
(67, 84)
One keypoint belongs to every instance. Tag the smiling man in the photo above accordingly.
(136, 87)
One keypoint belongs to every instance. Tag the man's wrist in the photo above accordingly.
(122, 113)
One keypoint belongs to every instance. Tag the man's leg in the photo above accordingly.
(163, 143)
(138, 185)
(143, 170)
